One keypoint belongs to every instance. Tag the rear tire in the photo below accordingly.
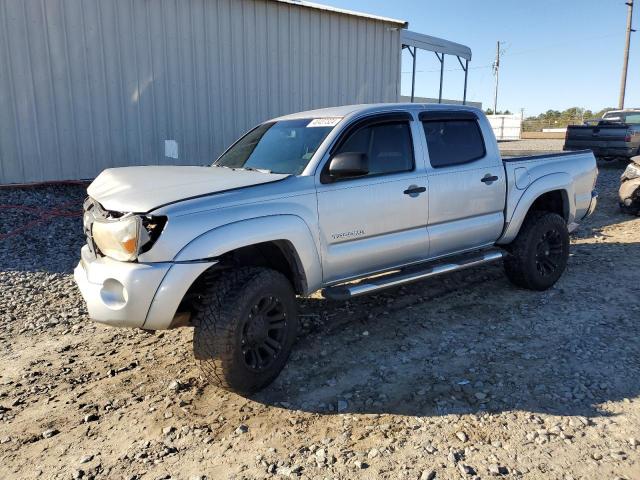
(538, 256)
(245, 327)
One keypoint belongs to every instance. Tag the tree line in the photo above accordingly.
(557, 118)
(568, 116)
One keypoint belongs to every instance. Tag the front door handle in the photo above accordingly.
(414, 190)
(489, 179)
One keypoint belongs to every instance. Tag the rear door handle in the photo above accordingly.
(489, 179)
(414, 190)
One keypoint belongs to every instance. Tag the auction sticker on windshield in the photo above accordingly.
(324, 122)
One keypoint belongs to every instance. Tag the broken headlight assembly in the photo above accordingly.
(125, 237)
(632, 171)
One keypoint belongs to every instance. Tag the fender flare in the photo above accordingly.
(548, 183)
(243, 233)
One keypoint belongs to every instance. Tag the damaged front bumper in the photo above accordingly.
(629, 194)
(137, 295)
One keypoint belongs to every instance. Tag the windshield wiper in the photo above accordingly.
(253, 169)
(248, 169)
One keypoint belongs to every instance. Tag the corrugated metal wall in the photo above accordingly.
(91, 84)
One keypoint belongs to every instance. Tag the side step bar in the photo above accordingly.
(409, 275)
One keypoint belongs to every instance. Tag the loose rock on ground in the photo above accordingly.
(462, 376)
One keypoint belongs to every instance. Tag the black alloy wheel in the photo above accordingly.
(549, 252)
(263, 333)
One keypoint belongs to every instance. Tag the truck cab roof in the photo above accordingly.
(347, 110)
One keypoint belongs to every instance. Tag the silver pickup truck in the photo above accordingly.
(350, 200)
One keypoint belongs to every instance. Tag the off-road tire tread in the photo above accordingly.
(217, 311)
(517, 272)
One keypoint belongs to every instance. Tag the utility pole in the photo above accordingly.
(625, 63)
(496, 72)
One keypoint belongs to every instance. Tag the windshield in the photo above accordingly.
(278, 147)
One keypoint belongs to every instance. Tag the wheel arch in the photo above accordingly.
(282, 242)
(553, 193)
(280, 255)
(554, 201)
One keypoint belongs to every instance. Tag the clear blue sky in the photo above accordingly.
(558, 53)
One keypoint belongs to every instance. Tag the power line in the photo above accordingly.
(556, 46)
(506, 53)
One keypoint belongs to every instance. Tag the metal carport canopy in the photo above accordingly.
(441, 47)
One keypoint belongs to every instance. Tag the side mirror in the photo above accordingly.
(349, 164)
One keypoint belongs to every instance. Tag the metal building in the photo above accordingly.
(91, 84)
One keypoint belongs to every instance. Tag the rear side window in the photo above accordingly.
(633, 118)
(388, 146)
(453, 142)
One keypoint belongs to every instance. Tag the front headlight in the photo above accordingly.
(632, 171)
(121, 238)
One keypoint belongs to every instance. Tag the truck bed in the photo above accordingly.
(542, 157)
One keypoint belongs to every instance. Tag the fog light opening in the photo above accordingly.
(113, 294)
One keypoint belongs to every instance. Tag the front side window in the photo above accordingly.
(453, 142)
(387, 145)
(278, 147)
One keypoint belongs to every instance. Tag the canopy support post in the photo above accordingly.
(465, 67)
(414, 54)
(441, 58)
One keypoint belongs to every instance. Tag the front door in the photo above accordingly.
(377, 221)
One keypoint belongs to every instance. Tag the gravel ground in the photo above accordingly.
(532, 146)
(457, 377)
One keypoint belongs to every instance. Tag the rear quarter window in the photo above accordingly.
(453, 142)
(633, 118)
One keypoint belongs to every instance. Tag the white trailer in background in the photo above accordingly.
(506, 127)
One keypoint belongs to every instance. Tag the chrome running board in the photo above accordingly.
(409, 275)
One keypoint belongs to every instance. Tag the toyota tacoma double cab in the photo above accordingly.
(348, 200)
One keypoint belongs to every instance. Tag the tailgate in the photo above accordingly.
(597, 136)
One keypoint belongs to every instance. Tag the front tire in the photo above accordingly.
(245, 327)
(539, 254)
(631, 210)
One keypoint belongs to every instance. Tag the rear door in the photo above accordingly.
(377, 221)
(467, 184)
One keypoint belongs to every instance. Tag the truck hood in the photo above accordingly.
(140, 189)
